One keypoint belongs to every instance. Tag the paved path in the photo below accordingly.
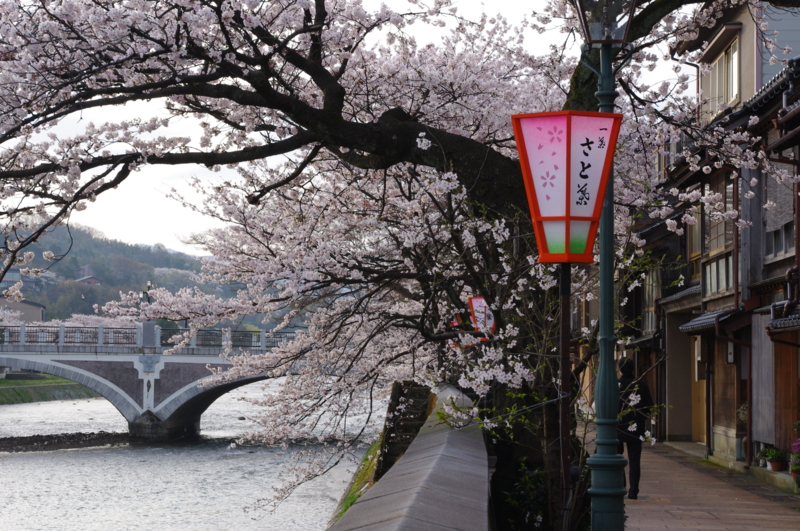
(680, 491)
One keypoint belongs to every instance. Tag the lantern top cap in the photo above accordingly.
(605, 21)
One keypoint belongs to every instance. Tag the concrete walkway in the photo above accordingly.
(680, 491)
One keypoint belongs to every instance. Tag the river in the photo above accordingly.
(202, 485)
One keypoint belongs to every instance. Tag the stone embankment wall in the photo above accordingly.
(440, 483)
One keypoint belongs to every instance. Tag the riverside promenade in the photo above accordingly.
(679, 490)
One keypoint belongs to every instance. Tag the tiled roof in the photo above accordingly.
(775, 86)
(704, 322)
(790, 321)
(681, 294)
(786, 322)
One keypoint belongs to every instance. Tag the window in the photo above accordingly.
(788, 236)
(652, 291)
(719, 274)
(699, 359)
(724, 79)
(779, 241)
(694, 247)
(575, 315)
(719, 231)
(669, 153)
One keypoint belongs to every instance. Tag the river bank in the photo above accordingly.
(63, 441)
(40, 388)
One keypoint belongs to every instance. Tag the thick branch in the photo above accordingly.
(206, 159)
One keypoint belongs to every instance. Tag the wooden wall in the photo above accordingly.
(763, 382)
(680, 384)
(698, 392)
(787, 397)
(726, 387)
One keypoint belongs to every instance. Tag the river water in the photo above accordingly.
(199, 486)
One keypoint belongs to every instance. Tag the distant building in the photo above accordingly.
(86, 270)
(29, 311)
(30, 284)
(92, 281)
(12, 277)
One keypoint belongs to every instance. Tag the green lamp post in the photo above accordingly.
(605, 25)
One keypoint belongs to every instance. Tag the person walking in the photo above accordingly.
(635, 404)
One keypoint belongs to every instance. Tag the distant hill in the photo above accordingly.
(119, 266)
(87, 246)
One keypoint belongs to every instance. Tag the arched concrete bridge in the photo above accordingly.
(162, 397)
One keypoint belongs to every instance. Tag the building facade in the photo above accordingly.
(723, 347)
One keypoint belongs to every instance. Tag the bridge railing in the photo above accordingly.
(120, 336)
(216, 338)
(82, 336)
(41, 334)
(133, 337)
(206, 338)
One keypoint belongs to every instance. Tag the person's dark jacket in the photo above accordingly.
(638, 413)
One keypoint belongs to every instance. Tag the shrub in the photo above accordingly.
(775, 454)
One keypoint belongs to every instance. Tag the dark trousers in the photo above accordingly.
(634, 464)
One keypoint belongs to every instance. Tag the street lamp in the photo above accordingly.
(566, 162)
(605, 25)
(144, 295)
(605, 21)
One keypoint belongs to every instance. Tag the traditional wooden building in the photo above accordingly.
(724, 345)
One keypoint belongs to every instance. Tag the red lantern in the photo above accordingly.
(566, 158)
(480, 316)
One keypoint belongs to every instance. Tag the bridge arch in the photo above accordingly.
(179, 415)
(108, 390)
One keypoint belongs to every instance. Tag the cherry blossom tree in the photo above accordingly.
(369, 185)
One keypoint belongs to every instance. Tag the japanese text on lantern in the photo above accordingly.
(588, 154)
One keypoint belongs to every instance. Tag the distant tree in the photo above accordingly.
(84, 248)
(127, 272)
(166, 324)
(69, 267)
(64, 300)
